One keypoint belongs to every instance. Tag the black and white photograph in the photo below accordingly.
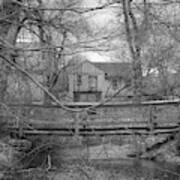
(89, 89)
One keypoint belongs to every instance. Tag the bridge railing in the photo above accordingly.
(117, 117)
(155, 111)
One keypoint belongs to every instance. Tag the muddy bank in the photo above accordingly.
(80, 160)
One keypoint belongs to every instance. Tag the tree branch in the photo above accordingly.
(38, 84)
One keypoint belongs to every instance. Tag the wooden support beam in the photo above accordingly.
(97, 104)
(39, 125)
(100, 131)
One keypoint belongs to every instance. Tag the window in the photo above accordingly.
(79, 80)
(87, 96)
(92, 82)
(106, 76)
(115, 84)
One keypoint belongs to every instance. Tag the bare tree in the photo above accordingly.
(133, 38)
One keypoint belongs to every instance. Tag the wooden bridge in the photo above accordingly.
(127, 118)
(100, 129)
(99, 120)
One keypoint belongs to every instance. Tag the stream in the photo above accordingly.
(141, 170)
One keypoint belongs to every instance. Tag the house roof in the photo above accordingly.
(121, 69)
(82, 67)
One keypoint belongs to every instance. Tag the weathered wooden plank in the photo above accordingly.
(96, 132)
(52, 126)
(103, 104)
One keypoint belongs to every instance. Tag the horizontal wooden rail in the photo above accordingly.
(101, 104)
(91, 129)
(99, 133)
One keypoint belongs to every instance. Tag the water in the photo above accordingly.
(143, 170)
(119, 169)
(103, 163)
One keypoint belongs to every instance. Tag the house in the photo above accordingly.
(90, 81)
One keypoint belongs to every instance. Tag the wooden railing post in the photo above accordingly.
(77, 122)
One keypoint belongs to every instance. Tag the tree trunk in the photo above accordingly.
(134, 42)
